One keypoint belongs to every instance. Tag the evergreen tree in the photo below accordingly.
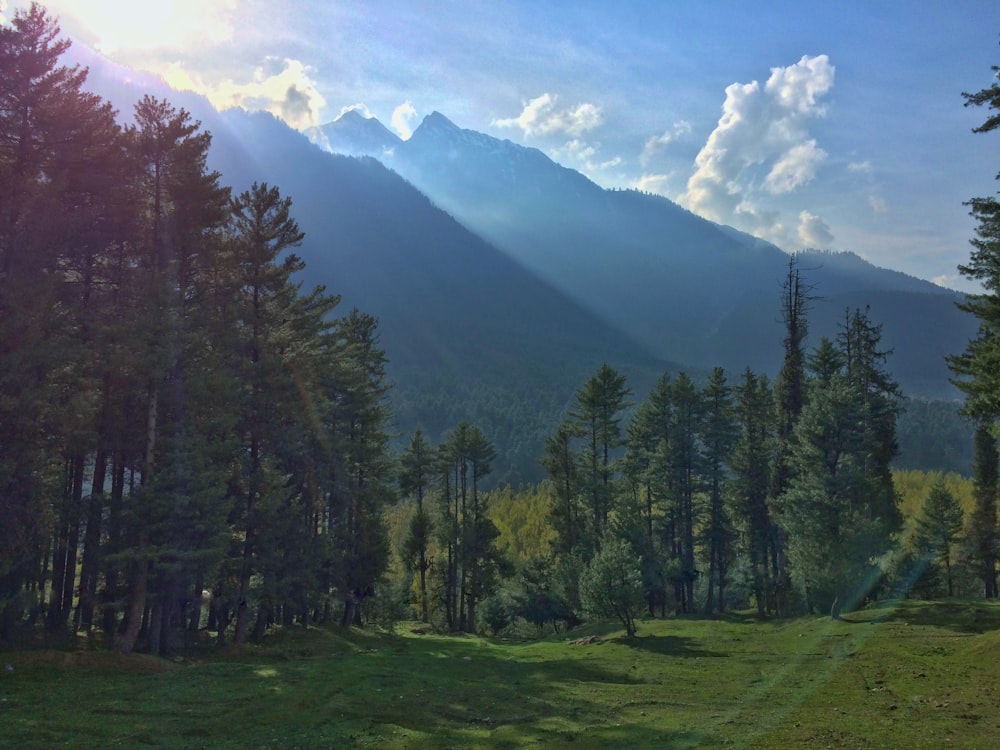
(568, 517)
(977, 370)
(597, 413)
(685, 461)
(467, 533)
(750, 461)
(611, 584)
(982, 531)
(361, 488)
(790, 394)
(414, 478)
(718, 438)
(938, 528)
(835, 512)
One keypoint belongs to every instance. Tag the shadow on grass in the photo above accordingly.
(959, 615)
(670, 645)
(461, 693)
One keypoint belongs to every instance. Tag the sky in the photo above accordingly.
(810, 124)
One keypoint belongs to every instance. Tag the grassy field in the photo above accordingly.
(921, 675)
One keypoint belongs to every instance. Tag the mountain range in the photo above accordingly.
(688, 289)
(502, 280)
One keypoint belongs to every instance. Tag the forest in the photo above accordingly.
(191, 442)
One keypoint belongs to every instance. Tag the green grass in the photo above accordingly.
(920, 675)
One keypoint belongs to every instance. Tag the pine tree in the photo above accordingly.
(568, 517)
(751, 459)
(938, 528)
(790, 394)
(837, 512)
(414, 479)
(611, 584)
(977, 369)
(597, 413)
(361, 486)
(718, 436)
(982, 531)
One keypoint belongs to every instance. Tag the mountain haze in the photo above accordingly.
(689, 289)
(506, 279)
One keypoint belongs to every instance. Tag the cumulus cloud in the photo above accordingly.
(796, 167)
(402, 119)
(761, 128)
(948, 281)
(653, 183)
(359, 107)
(283, 87)
(541, 116)
(655, 144)
(860, 167)
(585, 156)
(813, 231)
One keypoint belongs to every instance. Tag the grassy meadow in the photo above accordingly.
(919, 675)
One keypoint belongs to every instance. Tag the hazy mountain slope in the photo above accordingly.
(691, 290)
(470, 334)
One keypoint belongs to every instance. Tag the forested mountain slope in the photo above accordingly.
(501, 331)
(691, 290)
(470, 334)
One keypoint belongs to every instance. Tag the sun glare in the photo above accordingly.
(122, 25)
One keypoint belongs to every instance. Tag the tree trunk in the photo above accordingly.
(136, 605)
(92, 545)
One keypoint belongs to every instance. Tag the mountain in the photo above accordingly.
(500, 326)
(688, 289)
(470, 334)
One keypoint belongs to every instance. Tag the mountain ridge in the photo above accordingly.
(685, 287)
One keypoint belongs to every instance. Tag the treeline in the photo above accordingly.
(187, 435)
(702, 498)
(190, 441)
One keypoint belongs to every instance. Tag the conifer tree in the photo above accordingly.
(838, 513)
(414, 479)
(982, 531)
(568, 517)
(597, 413)
(718, 437)
(750, 462)
(976, 369)
(938, 528)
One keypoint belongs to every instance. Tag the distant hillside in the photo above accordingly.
(470, 333)
(504, 338)
(689, 289)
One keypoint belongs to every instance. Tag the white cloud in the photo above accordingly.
(540, 116)
(402, 119)
(3, 12)
(585, 155)
(654, 183)
(813, 231)
(796, 167)
(359, 107)
(877, 203)
(761, 128)
(283, 87)
(798, 86)
(578, 150)
(949, 280)
(655, 144)
(860, 167)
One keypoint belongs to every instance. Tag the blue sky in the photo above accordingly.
(811, 124)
